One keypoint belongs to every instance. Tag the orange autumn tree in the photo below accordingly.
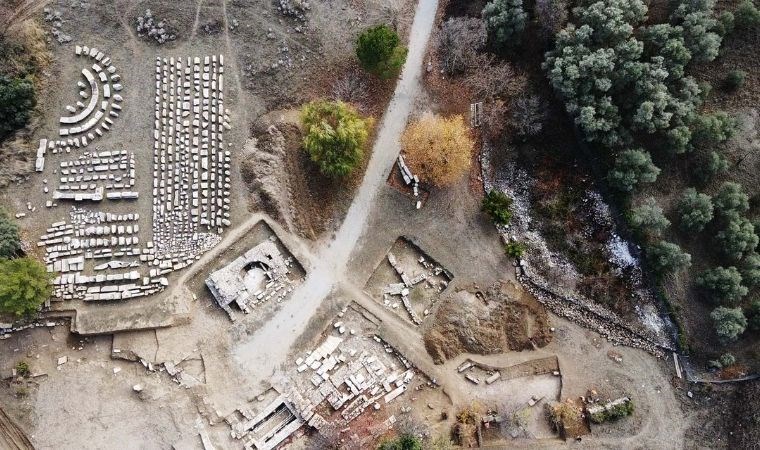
(438, 149)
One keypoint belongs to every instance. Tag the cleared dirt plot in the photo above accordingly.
(408, 281)
(502, 318)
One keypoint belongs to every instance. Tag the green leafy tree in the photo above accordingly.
(695, 210)
(10, 243)
(751, 270)
(649, 218)
(735, 79)
(505, 22)
(713, 164)
(714, 128)
(24, 286)
(380, 51)
(497, 205)
(747, 15)
(737, 238)
(723, 284)
(730, 323)
(335, 136)
(631, 168)
(700, 28)
(730, 200)
(667, 257)
(17, 100)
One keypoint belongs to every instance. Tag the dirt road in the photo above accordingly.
(270, 345)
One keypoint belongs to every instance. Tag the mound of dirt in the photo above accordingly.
(264, 172)
(502, 318)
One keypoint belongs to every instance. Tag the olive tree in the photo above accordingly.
(699, 26)
(730, 323)
(724, 284)
(751, 270)
(648, 217)
(737, 238)
(667, 257)
(695, 210)
(730, 200)
(631, 168)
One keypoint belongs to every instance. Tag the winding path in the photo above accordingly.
(269, 346)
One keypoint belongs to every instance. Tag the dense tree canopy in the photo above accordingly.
(380, 51)
(724, 284)
(730, 200)
(17, 100)
(335, 135)
(24, 286)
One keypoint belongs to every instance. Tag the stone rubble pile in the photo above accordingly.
(56, 20)
(410, 179)
(157, 29)
(296, 9)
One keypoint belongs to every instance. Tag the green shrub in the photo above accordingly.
(695, 210)
(730, 323)
(735, 79)
(731, 200)
(335, 136)
(649, 218)
(666, 257)
(514, 249)
(753, 314)
(712, 165)
(24, 286)
(17, 100)
(726, 22)
(723, 284)
(22, 369)
(10, 243)
(402, 442)
(497, 205)
(714, 128)
(727, 359)
(751, 270)
(737, 238)
(631, 168)
(747, 15)
(379, 51)
(699, 27)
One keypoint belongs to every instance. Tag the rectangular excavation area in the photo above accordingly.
(408, 281)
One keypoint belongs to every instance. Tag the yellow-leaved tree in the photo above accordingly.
(438, 149)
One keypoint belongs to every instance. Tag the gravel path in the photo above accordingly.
(270, 345)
